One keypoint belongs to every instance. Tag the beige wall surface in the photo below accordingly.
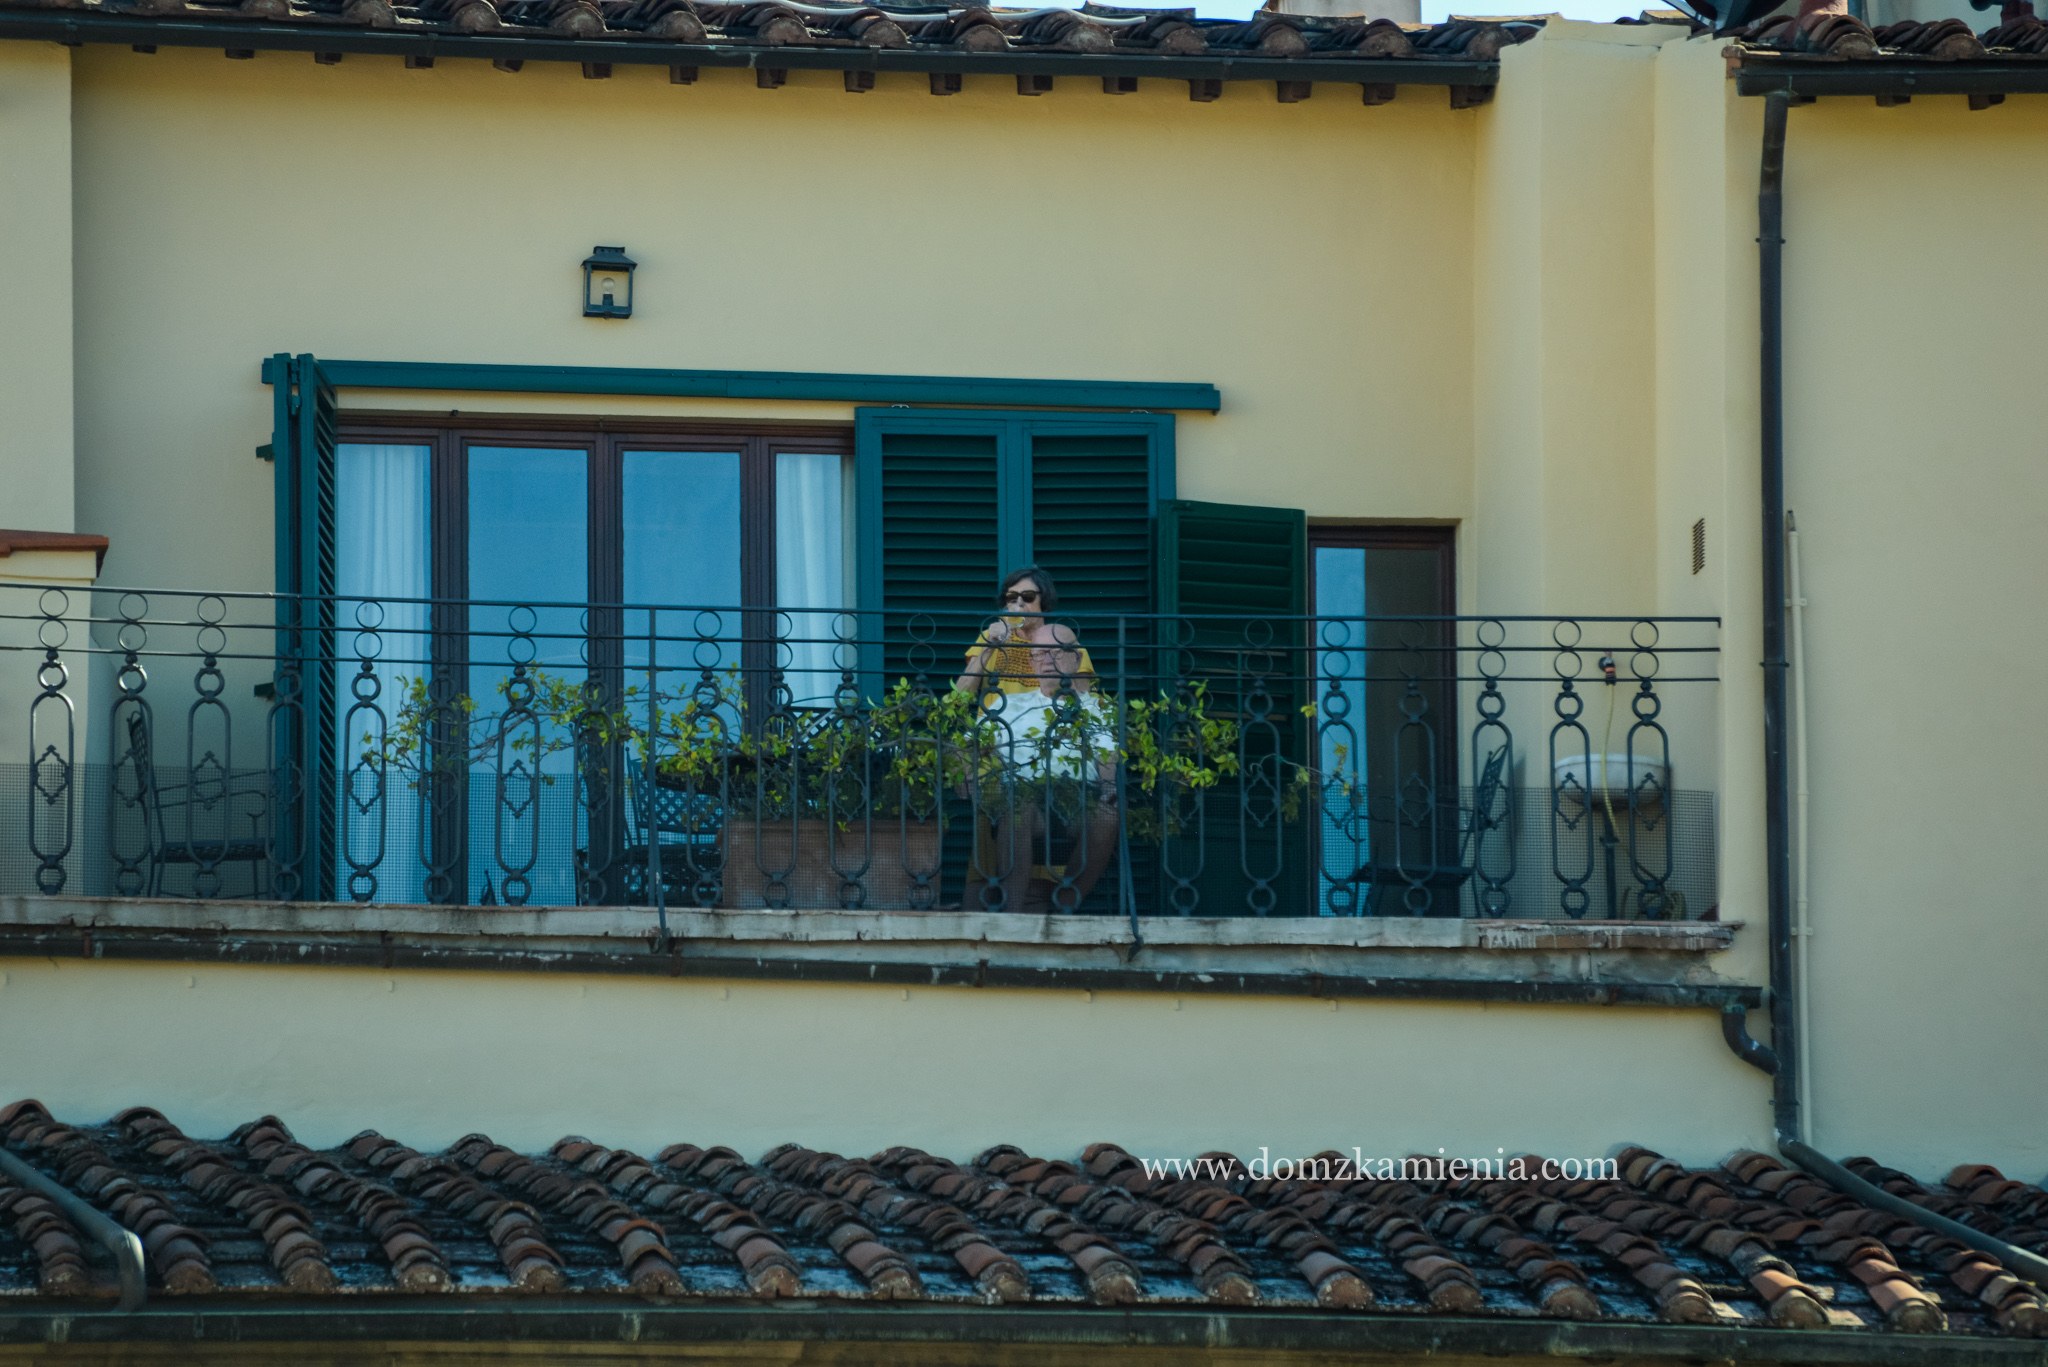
(1564, 508)
(35, 288)
(528, 1057)
(1918, 470)
(442, 215)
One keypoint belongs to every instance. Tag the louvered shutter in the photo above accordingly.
(952, 500)
(1232, 586)
(932, 540)
(1092, 501)
(304, 719)
(1096, 484)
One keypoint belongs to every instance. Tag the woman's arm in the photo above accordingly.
(981, 657)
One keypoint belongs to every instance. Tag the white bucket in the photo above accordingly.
(1585, 774)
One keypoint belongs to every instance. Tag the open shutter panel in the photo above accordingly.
(1231, 558)
(932, 541)
(303, 740)
(1091, 519)
(1235, 577)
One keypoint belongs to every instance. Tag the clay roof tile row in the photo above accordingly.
(969, 28)
(1752, 1243)
(1826, 33)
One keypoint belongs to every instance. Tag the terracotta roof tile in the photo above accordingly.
(1752, 1243)
(970, 29)
(176, 1253)
(50, 1235)
(1822, 31)
(298, 1256)
(887, 1274)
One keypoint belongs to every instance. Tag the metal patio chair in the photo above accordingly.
(197, 795)
(1443, 880)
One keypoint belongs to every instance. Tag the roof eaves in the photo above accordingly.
(1309, 1333)
(1127, 45)
(1827, 53)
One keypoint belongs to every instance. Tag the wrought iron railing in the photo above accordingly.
(411, 751)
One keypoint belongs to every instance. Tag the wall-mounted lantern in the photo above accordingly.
(608, 283)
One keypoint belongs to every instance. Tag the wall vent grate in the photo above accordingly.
(1699, 545)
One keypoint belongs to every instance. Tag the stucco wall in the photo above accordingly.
(367, 211)
(35, 287)
(431, 1056)
(1918, 470)
(1564, 516)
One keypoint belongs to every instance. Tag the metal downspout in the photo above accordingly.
(1802, 924)
(1777, 770)
(1787, 1080)
(120, 1243)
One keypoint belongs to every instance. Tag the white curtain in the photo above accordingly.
(811, 572)
(382, 540)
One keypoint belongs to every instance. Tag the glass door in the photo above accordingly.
(1386, 716)
(528, 561)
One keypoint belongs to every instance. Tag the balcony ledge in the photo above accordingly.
(1650, 963)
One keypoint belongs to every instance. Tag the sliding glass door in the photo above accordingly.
(558, 561)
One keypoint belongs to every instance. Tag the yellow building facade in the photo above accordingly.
(1533, 320)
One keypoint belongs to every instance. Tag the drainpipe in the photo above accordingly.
(121, 1244)
(1770, 215)
(1802, 925)
(1787, 1077)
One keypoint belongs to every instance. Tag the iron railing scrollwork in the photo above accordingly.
(241, 745)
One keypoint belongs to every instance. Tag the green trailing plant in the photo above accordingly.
(542, 715)
(908, 754)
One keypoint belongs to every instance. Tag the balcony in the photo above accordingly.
(250, 746)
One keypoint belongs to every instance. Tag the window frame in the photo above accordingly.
(1389, 536)
(1442, 539)
(605, 442)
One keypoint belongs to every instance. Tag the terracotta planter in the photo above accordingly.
(805, 865)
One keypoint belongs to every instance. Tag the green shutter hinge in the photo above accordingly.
(267, 452)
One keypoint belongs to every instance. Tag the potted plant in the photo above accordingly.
(844, 807)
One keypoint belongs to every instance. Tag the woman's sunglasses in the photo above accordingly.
(1021, 596)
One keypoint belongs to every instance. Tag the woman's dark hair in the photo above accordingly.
(1048, 595)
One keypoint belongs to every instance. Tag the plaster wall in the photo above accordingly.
(1565, 323)
(428, 1056)
(1568, 335)
(1703, 226)
(35, 287)
(1918, 471)
(441, 215)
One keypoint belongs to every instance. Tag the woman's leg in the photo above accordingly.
(1094, 849)
(1019, 832)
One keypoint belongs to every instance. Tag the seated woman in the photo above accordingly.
(1058, 765)
(999, 661)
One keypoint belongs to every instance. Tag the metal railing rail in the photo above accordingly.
(442, 751)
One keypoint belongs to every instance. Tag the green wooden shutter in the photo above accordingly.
(1232, 558)
(932, 540)
(950, 500)
(1095, 485)
(303, 444)
(1232, 587)
(1091, 518)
